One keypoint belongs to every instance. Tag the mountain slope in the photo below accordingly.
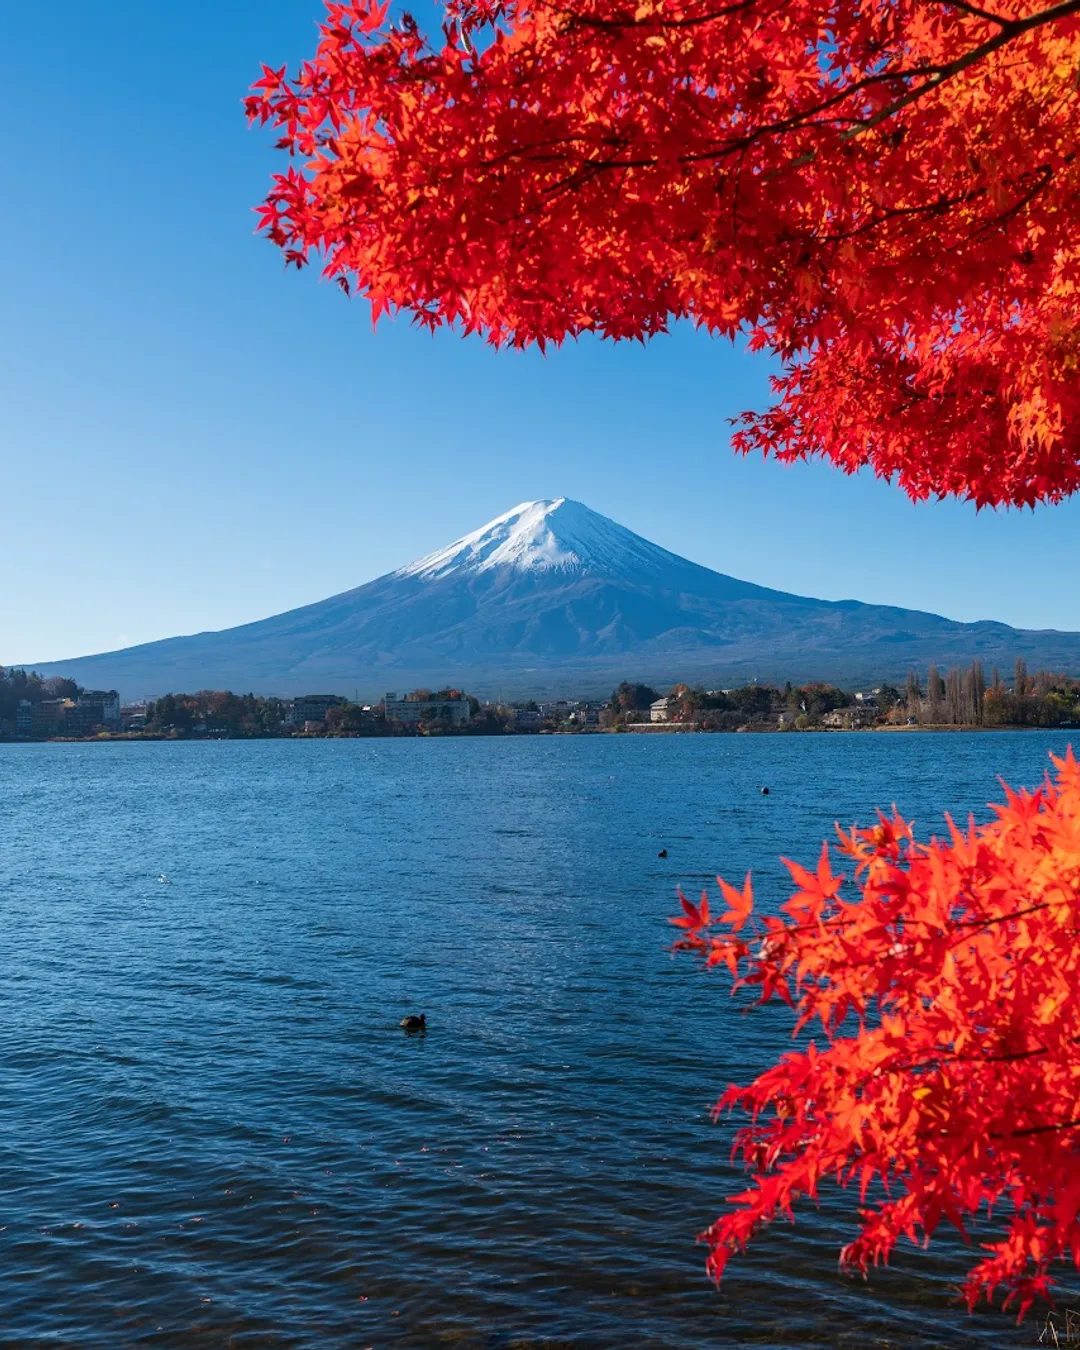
(552, 596)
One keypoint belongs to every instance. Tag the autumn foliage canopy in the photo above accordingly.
(884, 195)
(942, 985)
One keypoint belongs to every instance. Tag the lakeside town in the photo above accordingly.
(33, 708)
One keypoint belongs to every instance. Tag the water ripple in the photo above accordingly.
(214, 1133)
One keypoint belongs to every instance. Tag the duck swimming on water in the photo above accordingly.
(414, 1023)
(662, 853)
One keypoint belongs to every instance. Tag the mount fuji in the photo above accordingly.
(552, 597)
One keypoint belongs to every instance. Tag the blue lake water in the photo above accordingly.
(212, 1132)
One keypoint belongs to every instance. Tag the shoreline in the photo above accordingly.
(639, 729)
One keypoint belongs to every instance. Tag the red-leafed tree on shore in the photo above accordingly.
(946, 992)
(885, 197)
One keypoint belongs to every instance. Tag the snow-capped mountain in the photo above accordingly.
(553, 597)
(545, 536)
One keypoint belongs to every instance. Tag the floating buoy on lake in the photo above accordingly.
(414, 1023)
(764, 792)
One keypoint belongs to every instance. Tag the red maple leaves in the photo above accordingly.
(883, 195)
(949, 1068)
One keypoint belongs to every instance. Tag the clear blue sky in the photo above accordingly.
(191, 438)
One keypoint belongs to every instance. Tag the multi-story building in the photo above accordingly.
(82, 718)
(49, 717)
(457, 711)
(108, 700)
(94, 710)
(312, 708)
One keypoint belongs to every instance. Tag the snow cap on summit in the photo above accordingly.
(542, 536)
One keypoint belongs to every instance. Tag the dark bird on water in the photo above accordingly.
(413, 1023)
(662, 853)
(764, 792)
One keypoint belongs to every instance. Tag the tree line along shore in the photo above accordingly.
(36, 708)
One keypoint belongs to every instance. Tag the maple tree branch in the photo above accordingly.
(838, 922)
(1002, 1059)
(934, 78)
(895, 213)
(975, 11)
(1036, 1129)
(588, 168)
(654, 21)
(977, 925)
(1010, 30)
(946, 1056)
(1043, 180)
(725, 11)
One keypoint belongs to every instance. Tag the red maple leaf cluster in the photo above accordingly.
(885, 196)
(945, 992)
